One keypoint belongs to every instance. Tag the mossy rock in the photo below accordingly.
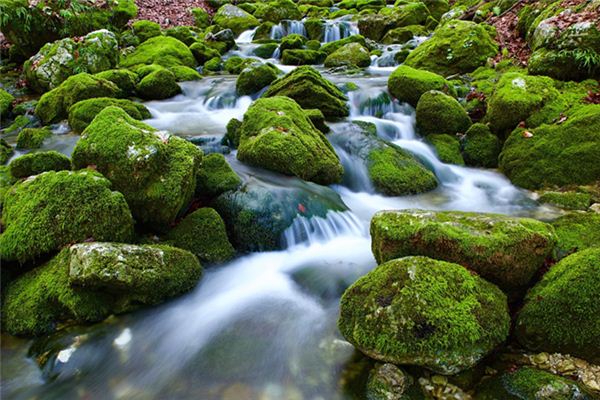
(213, 65)
(185, 74)
(125, 79)
(145, 29)
(32, 138)
(265, 50)
(331, 47)
(278, 10)
(302, 57)
(81, 114)
(565, 65)
(222, 41)
(455, 47)
(216, 176)
(375, 26)
(42, 214)
(438, 113)
(89, 281)
(403, 34)
(425, 312)
(351, 55)
(6, 100)
(158, 85)
(447, 148)
(310, 90)
(186, 34)
(558, 154)
(162, 50)
(506, 251)
(156, 172)
(36, 163)
(516, 98)
(232, 137)
(231, 17)
(277, 135)
(408, 84)
(203, 233)
(54, 105)
(560, 312)
(481, 147)
(528, 383)
(576, 231)
(201, 18)
(292, 41)
(567, 200)
(202, 53)
(387, 381)
(235, 65)
(6, 151)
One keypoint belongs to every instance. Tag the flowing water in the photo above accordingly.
(262, 326)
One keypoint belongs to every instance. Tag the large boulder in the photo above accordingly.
(310, 90)
(455, 47)
(438, 113)
(255, 77)
(56, 61)
(560, 154)
(158, 85)
(425, 312)
(351, 55)
(55, 104)
(156, 172)
(89, 281)
(162, 50)
(145, 29)
(276, 134)
(123, 78)
(408, 84)
(504, 250)
(81, 114)
(560, 313)
(42, 214)
(231, 17)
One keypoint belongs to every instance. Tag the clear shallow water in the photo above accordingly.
(262, 326)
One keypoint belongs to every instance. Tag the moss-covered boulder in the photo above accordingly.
(216, 176)
(351, 55)
(202, 53)
(515, 98)
(259, 212)
(310, 90)
(375, 26)
(265, 50)
(438, 113)
(278, 10)
(222, 41)
(425, 312)
(54, 105)
(455, 47)
(89, 281)
(231, 17)
(186, 34)
(576, 231)
(255, 77)
(212, 65)
(185, 74)
(156, 172)
(302, 57)
(277, 135)
(557, 154)
(43, 213)
(566, 200)
(408, 84)
(145, 29)
(403, 34)
(530, 383)
(82, 113)
(201, 17)
(560, 312)
(292, 41)
(6, 100)
(447, 148)
(481, 147)
(203, 233)
(56, 61)
(32, 138)
(158, 85)
(504, 250)
(123, 78)
(331, 47)
(36, 163)
(162, 50)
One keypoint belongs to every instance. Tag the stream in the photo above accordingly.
(262, 326)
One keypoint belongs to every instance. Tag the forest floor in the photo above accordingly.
(169, 13)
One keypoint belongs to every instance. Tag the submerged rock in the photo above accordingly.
(507, 251)
(425, 312)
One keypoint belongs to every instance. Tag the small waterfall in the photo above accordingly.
(356, 174)
(318, 230)
(246, 36)
(339, 29)
(287, 27)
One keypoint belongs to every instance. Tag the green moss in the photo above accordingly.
(302, 57)
(234, 18)
(123, 78)
(213, 65)
(201, 17)
(183, 73)
(145, 29)
(265, 50)
(408, 84)
(336, 45)
(481, 147)
(504, 250)
(375, 26)
(32, 138)
(560, 312)
(36, 163)
(235, 64)
(314, 29)
(310, 90)
(447, 148)
(155, 172)
(576, 231)
(54, 105)
(158, 85)
(438, 113)
(351, 55)
(185, 34)
(455, 47)
(291, 42)
(232, 137)
(318, 119)
(162, 50)
(403, 34)
(424, 312)
(6, 151)
(82, 113)
(202, 53)
(6, 100)
(567, 200)
(52, 209)
(203, 233)
(255, 77)
(21, 122)
(278, 10)
(277, 135)
(216, 176)
(546, 158)
(565, 65)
